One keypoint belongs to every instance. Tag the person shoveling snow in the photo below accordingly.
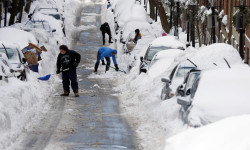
(68, 59)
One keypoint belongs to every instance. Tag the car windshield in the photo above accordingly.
(38, 25)
(182, 71)
(152, 51)
(56, 16)
(11, 54)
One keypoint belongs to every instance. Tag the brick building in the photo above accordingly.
(222, 31)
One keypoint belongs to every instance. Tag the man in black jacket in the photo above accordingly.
(67, 61)
(105, 29)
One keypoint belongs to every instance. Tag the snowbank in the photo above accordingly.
(228, 134)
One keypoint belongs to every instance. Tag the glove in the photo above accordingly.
(103, 63)
(75, 64)
(58, 71)
(116, 67)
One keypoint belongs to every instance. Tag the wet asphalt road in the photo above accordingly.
(92, 121)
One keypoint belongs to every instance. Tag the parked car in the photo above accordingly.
(210, 95)
(161, 62)
(16, 58)
(159, 44)
(6, 70)
(39, 28)
(175, 78)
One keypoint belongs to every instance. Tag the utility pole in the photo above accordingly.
(6, 5)
(177, 18)
(213, 37)
(156, 13)
(242, 31)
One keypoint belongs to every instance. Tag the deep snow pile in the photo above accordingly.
(214, 136)
(153, 119)
(23, 103)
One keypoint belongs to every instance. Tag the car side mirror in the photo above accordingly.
(164, 80)
(1, 77)
(180, 92)
(54, 30)
(24, 60)
(11, 70)
(188, 92)
(123, 42)
(141, 58)
(184, 101)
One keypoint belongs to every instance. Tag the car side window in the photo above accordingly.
(191, 80)
(195, 87)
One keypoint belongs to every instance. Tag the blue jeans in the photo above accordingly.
(66, 78)
(98, 61)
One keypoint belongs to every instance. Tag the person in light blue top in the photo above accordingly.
(106, 52)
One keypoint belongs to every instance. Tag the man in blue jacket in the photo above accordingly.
(106, 52)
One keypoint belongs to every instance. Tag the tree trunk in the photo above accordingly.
(152, 9)
(230, 21)
(13, 12)
(163, 16)
(20, 8)
(27, 6)
(198, 32)
(1, 4)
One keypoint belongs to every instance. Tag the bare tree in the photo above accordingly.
(163, 16)
(27, 6)
(20, 9)
(230, 21)
(13, 12)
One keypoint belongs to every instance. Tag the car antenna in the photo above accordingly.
(5, 50)
(227, 63)
(192, 63)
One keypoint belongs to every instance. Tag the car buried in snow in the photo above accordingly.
(6, 70)
(157, 45)
(209, 95)
(175, 78)
(16, 58)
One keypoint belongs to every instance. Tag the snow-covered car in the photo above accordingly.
(159, 44)
(41, 29)
(161, 61)
(6, 70)
(214, 94)
(55, 14)
(16, 58)
(175, 78)
(37, 24)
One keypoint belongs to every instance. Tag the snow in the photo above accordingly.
(23, 103)
(167, 41)
(228, 134)
(224, 20)
(223, 99)
(20, 37)
(161, 61)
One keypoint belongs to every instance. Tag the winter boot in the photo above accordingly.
(65, 93)
(76, 93)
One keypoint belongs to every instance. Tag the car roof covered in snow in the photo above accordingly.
(167, 41)
(221, 92)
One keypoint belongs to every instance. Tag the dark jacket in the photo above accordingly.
(67, 60)
(105, 28)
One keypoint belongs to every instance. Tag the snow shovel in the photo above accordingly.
(46, 78)
(119, 70)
